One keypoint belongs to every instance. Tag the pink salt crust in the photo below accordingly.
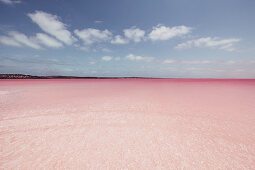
(127, 124)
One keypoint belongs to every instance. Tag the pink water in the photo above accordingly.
(127, 124)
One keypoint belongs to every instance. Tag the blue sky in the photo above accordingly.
(163, 38)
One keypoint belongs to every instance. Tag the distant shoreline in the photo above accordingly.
(24, 76)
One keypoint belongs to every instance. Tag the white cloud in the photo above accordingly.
(224, 44)
(119, 40)
(134, 34)
(23, 39)
(10, 2)
(138, 58)
(53, 26)
(161, 32)
(231, 62)
(9, 41)
(92, 62)
(169, 61)
(48, 41)
(91, 35)
(107, 58)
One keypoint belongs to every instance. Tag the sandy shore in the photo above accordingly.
(127, 124)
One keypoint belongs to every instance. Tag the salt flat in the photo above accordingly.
(127, 124)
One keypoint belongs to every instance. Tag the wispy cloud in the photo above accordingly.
(224, 44)
(98, 22)
(33, 60)
(48, 41)
(9, 41)
(53, 26)
(18, 39)
(106, 50)
(196, 62)
(224, 63)
(134, 34)
(161, 32)
(91, 35)
(169, 61)
(10, 2)
(24, 40)
(81, 47)
(231, 62)
(139, 58)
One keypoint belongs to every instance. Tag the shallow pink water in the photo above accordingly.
(127, 124)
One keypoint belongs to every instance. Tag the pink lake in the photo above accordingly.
(127, 124)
